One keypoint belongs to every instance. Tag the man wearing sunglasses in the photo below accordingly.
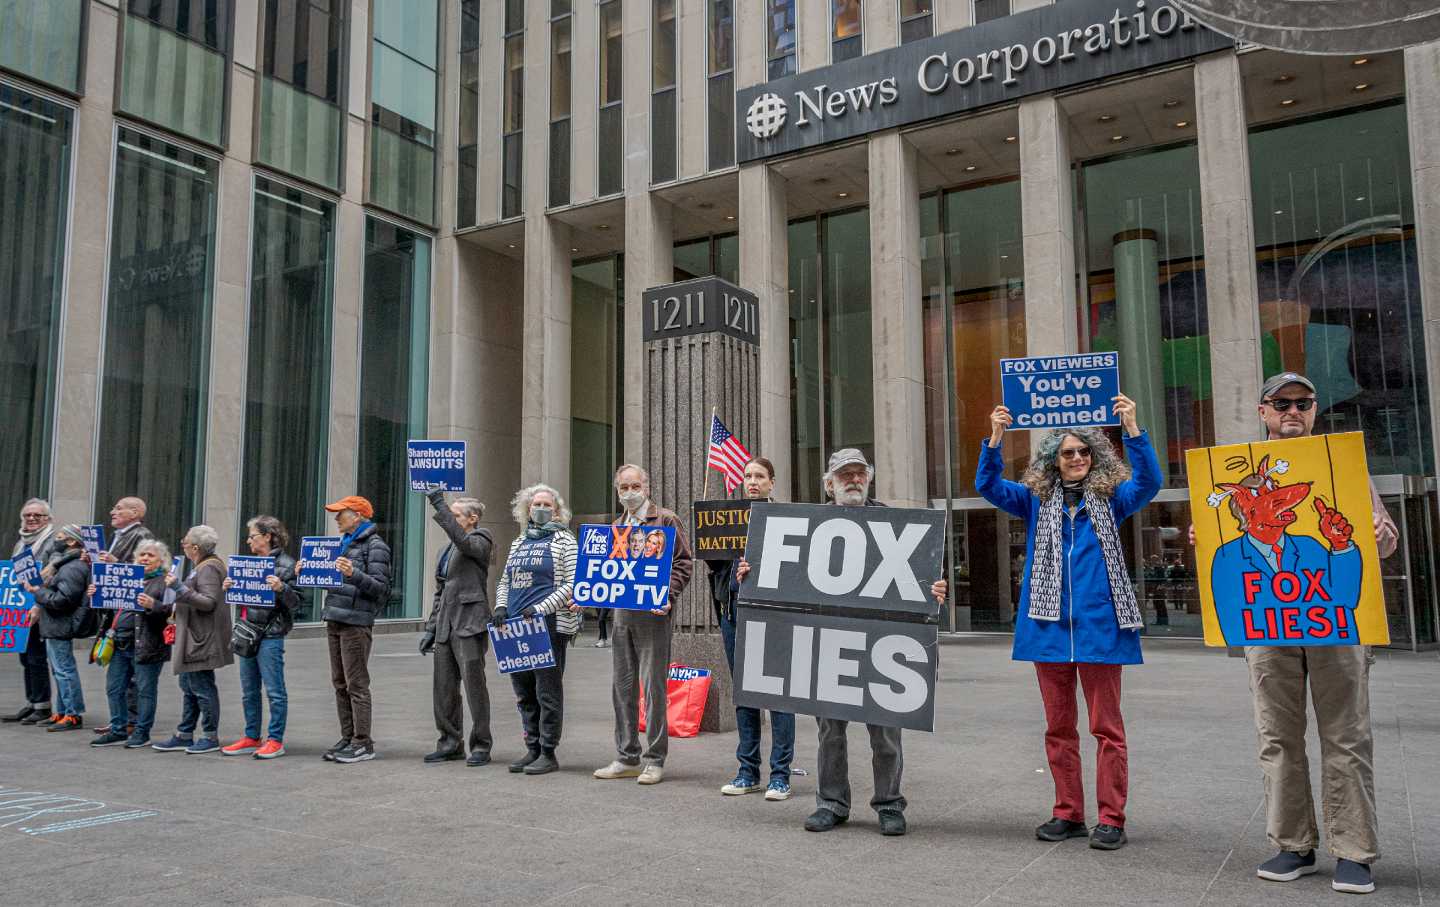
(1339, 678)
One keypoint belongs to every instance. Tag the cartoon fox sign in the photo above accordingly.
(1284, 534)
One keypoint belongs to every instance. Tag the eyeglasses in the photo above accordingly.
(1075, 453)
(1281, 405)
(29, 517)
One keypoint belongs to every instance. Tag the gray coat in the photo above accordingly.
(462, 606)
(202, 620)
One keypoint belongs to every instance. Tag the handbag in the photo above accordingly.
(245, 638)
(686, 691)
(102, 648)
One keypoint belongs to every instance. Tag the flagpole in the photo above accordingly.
(709, 433)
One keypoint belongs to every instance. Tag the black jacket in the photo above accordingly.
(462, 605)
(366, 591)
(150, 645)
(287, 601)
(61, 598)
(124, 551)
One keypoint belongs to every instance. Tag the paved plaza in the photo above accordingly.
(145, 827)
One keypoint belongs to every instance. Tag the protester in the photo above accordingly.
(60, 616)
(266, 536)
(202, 643)
(641, 653)
(127, 629)
(1078, 616)
(456, 634)
(129, 531)
(349, 616)
(539, 578)
(37, 533)
(724, 587)
(1338, 678)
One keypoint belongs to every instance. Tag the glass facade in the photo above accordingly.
(394, 368)
(663, 119)
(301, 124)
(610, 138)
(596, 393)
(173, 68)
(468, 163)
(36, 138)
(780, 37)
(720, 87)
(41, 39)
(287, 386)
(561, 24)
(985, 10)
(709, 255)
(917, 20)
(154, 393)
(846, 25)
(512, 109)
(831, 388)
(403, 89)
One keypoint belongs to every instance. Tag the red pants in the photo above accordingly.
(1101, 684)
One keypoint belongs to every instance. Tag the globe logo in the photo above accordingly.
(766, 115)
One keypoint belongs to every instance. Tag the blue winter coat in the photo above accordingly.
(1087, 630)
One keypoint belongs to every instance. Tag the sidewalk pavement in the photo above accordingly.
(114, 826)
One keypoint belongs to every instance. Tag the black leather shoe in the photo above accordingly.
(476, 759)
(892, 823)
(37, 716)
(1107, 837)
(542, 766)
(518, 765)
(1058, 829)
(439, 756)
(25, 712)
(823, 820)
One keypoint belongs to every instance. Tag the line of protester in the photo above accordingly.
(1078, 622)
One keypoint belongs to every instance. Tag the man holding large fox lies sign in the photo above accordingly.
(1290, 533)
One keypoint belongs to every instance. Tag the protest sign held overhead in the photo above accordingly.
(248, 575)
(15, 605)
(719, 529)
(522, 644)
(93, 538)
(1285, 543)
(25, 568)
(626, 567)
(316, 568)
(436, 464)
(1061, 391)
(117, 586)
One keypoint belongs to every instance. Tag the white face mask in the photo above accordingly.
(541, 515)
(631, 500)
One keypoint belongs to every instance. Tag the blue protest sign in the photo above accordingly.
(316, 567)
(177, 567)
(93, 538)
(117, 586)
(25, 569)
(248, 586)
(435, 463)
(522, 644)
(625, 567)
(1061, 391)
(15, 605)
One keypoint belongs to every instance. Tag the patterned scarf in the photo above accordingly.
(1046, 576)
(534, 532)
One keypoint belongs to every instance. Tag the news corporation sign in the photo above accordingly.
(1069, 43)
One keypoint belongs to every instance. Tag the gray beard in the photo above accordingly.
(852, 498)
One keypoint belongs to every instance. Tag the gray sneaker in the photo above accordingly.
(1352, 877)
(1287, 866)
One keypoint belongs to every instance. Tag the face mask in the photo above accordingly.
(631, 500)
(541, 515)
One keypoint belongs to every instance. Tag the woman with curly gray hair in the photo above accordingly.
(1078, 618)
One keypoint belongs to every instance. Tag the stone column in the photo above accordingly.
(490, 156)
(880, 24)
(812, 23)
(953, 14)
(897, 322)
(1422, 109)
(1231, 298)
(692, 85)
(1048, 228)
(765, 271)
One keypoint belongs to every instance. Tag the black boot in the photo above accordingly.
(544, 765)
(519, 765)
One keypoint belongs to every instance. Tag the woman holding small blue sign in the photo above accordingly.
(60, 601)
(1077, 616)
(266, 537)
(539, 578)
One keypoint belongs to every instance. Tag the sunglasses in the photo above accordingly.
(1282, 405)
(1075, 453)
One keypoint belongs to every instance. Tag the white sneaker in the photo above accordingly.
(741, 785)
(653, 774)
(617, 769)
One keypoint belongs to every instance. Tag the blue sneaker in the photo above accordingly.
(174, 744)
(203, 745)
(778, 790)
(1287, 866)
(136, 741)
(1352, 877)
(741, 785)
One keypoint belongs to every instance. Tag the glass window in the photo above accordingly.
(515, 15)
(780, 37)
(394, 362)
(172, 71)
(1339, 280)
(610, 139)
(707, 256)
(916, 21)
(596, 364)
(287, 387)
(663, 119)
(985, 10)
(560, 68)
(301, 121)
(612, 34)
(402, 106)
(469, 133)
(1145, 253)
(663, 54)
(721, 38)
(559, 150)
(846, 23)
(832, 389)
(720, 120)
(154, 389)
(512, 114)
(1162, 566)
(35, 156)
(41, 39)
(303, 44)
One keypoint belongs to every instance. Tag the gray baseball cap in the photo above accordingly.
(1275, 382)
(846, 456)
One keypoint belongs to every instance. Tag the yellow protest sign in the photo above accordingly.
(1285, 543)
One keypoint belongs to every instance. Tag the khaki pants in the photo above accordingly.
(1339, 681)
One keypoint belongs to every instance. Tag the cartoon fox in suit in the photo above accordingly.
(1275, 588)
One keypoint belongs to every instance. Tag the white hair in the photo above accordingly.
(204, 538)
(162, 550)
(520, 506)
(44, 505)
(644, 476)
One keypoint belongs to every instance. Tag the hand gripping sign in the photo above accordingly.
(248, 581)
(1056, 391)
(436, 464)
(625, 567)
(24, 568)
(1285, 543)
(117, 586)
(836, 618)
(316, 568)
(15, 605)
(522, 644)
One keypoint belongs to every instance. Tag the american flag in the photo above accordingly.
(727, 454)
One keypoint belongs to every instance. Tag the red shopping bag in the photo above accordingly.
(686, 690)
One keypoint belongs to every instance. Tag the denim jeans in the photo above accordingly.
(117, 683)
(147, 688)
(200, 698)
(747, 721)
(267, 668)
(69, 698)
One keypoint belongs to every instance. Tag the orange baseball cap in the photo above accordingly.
(355, 503)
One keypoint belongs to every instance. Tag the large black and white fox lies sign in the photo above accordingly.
(836, 618)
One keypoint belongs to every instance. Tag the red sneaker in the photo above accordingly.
(270, 749)
(242, 747)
